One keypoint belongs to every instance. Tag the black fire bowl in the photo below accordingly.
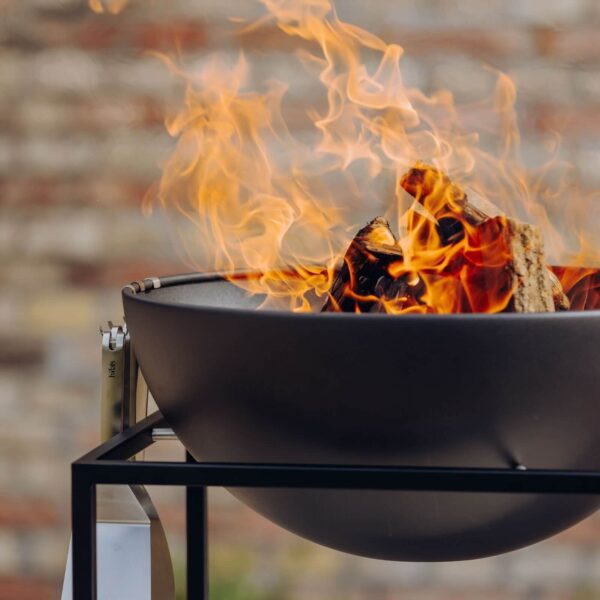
(242, 385)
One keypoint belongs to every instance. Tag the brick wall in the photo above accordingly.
(81, 139)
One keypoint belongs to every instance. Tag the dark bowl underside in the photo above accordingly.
(423, 390)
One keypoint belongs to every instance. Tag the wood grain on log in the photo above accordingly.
(532, 287)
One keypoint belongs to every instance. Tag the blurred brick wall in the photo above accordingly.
(81, 139)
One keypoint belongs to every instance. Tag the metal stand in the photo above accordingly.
(108, 464)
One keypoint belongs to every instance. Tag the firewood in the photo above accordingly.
(363, 279)
(561, 300)
(513, 277)
(446, 201)
(581, 286)
(533, 287)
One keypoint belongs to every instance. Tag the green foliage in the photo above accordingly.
(231, 579)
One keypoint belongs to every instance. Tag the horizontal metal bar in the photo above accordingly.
(161, 434)
(128, 443)
(344, 477)
(106, 465)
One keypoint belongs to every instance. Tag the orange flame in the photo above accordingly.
(111, 6)
(260, 200)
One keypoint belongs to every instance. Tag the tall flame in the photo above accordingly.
(259, 199)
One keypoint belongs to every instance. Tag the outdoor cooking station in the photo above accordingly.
(536, 459)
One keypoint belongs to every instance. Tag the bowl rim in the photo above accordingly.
(148, 285)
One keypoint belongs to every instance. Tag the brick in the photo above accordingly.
(587, 85)
(95, 190)
(7, 157)
(22, 192)
(39, 115)
(136, 155)
(27, 588)
(591, 566)
(46, 156)
(43, 117)
(584, 533)
(483, 44)
(33, 474)
(107, 114)
(464, 77)
(269, 38)
(464, 575)
(65, 234)
(211, 10)
(548, 567)
(549, 12)
(581, 44)
(60, 311)
(65, 71)
(45, 551)
(38, 438)
(459, 14)
(538, 81)
(29, 514)
(144, 75)
(396, 574)
(9, 554)
(588, 162)
(98, 35)
(19, 352)
(55, 5)
(13, 69)
(375, 17)
(10, 313)
(72, 407)
(576, 122)
(118, 274)
(186, 35)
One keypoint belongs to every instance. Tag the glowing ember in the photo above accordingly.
(257, 199)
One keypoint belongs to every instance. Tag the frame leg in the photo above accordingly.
(83, 515)
(196, 534)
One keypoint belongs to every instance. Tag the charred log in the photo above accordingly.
(363, 280)
(581, 286)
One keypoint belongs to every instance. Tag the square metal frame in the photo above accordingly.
(109, 464)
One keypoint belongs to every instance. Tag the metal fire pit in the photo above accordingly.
(508, 391)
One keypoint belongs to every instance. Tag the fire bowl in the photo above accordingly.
(494, 391)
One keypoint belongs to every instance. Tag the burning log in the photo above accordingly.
(561, 300)
(443, 199)
(363, 278)
(532, 287)
(581, 286)
(535, 288)
(501, 268)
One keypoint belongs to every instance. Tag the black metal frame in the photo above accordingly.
(109, 464)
